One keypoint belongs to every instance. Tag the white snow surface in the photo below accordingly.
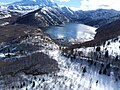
(113, 47)
(70, 76)
(5, 23)
(4, 15)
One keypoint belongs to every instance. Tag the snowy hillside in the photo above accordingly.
(98, 17)
(98, 14)
(43, 17)
(30, 59)
(112, 46)
(35, 2)
(4, 15)
(75, 72)
(28, 5)
(69, 13)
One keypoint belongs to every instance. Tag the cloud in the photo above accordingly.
(63, 0)
(74, 8)
(1, 3)
(96, 4)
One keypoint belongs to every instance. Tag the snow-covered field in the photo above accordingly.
(112, 46)
(74, 74)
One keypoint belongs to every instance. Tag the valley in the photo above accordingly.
(47, 47)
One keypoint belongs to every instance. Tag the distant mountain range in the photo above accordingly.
(35, 2)
(98, 18)
(26, 5)
(52, 12)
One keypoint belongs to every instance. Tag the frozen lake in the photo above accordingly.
(72, 31)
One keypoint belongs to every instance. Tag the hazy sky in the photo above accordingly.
(9, 1)
(84, 4)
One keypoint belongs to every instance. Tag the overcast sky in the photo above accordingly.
(84, 4)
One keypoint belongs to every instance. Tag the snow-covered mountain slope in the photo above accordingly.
(69, 13)
(112, 45)
(35, 2)
(4, 15)
(8, 17)
(107, 53)
(43, 17)
(95, 18)
(2, 6)
(98, 17)
(28, 5)
(74, 74)
(1, 3)
(99, 14)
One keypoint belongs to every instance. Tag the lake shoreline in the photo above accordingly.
(64, 35)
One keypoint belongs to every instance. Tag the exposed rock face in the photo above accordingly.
(43, 17)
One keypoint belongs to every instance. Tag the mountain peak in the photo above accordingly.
(35, 2)
(38, 0)
(28, 5)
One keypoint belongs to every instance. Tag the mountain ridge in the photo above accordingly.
(25, 5)
(35, 2)
(43, 17)
(95, 18)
